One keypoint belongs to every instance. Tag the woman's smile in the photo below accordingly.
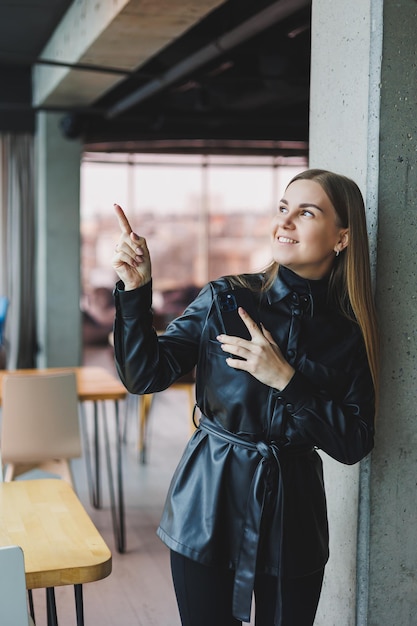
(286, 240)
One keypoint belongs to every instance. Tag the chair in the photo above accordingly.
(13, 605)
(40, 424)
(4, 305)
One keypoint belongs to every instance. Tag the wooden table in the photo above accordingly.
(93, 383)
(60, 542)
(97, 385)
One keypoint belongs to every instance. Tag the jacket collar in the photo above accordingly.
(287, 282)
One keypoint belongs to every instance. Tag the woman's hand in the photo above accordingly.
(132, 261)
(262, 357)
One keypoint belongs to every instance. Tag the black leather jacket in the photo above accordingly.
(248, 492)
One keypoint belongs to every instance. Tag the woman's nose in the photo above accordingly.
(285, 220)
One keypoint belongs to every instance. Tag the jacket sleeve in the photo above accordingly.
(341, 425)
(146, 362)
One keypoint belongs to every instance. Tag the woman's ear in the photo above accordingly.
(343, 241)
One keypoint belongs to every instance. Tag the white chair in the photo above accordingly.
(13, 604)
(40, 424)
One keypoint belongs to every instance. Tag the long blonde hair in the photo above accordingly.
(350, 281)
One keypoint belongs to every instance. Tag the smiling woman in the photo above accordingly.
(246, 508)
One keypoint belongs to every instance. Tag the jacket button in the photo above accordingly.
(296, 312)
(280, 398)
(289, 406)
(291, 353)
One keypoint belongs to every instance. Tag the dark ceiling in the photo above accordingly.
(235, 78)
(25, 27)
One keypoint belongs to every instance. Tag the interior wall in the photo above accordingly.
(393, 547)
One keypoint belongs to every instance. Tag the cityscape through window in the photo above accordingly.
(202, 216)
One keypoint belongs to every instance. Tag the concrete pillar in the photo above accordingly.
(344, 125)
(393, 545)
(58, 244)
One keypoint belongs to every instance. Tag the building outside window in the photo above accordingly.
(202, 216)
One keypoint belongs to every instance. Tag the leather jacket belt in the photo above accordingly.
(270, 454)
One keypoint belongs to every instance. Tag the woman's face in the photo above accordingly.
(305, 231)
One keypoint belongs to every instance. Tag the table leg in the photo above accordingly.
(122, 533)
(52, 618)
(93, 470)
(31, 606)
(117, 504)
(97, 503)
(79, 606)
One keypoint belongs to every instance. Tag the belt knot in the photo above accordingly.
(267, 451)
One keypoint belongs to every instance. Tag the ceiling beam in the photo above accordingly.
(111, 33)
(28, 61)
(273, 14)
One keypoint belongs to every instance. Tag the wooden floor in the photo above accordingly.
(139, 591)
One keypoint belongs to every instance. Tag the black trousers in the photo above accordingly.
(204, 596)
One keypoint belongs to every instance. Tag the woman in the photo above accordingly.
(246, 508)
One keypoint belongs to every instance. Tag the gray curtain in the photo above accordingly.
(18, 248)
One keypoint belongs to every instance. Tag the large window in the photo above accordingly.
(202, 216)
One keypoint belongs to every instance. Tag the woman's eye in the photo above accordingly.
(307, 213)
(282, 209)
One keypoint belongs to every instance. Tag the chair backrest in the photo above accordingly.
(40, 419)
(13, 603)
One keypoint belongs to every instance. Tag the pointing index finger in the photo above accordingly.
(123, 221)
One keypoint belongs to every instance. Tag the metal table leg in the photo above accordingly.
(79, 606)
(52, 618)
(31, 605)
(93, 469)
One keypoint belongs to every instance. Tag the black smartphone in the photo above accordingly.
(228, 303)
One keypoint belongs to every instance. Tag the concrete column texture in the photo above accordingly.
(58, 244)
(393, 536)
(344, 128)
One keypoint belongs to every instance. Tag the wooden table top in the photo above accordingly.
(60, 542)
(93, 383)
